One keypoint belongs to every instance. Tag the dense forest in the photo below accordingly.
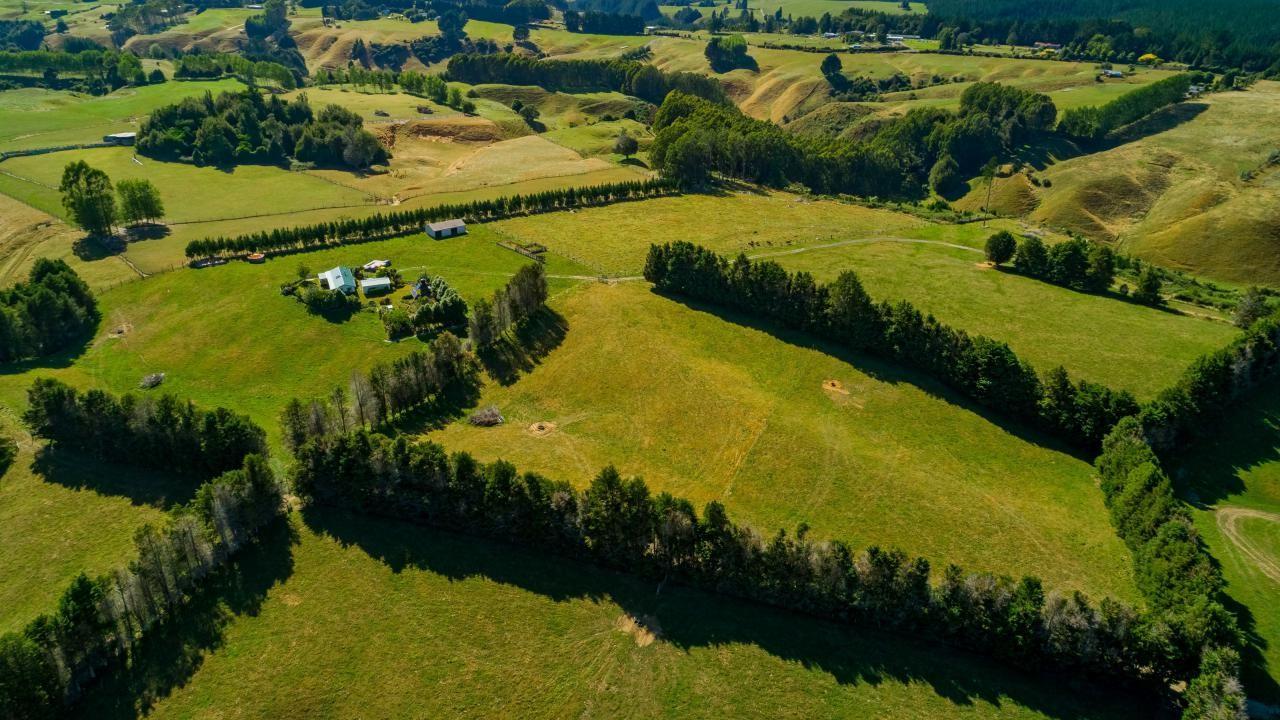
(898, 158)
(48, 312)
(1230, 33)
(243, 127)
(626, 76)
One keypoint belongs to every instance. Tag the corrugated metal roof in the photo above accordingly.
(338, 278)
(445, 225)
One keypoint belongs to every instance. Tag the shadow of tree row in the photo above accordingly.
(689, 619)
(172, 653)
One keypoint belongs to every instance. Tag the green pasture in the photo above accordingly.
(374, 618)
(226, 336)
(1233, 481)
(714, 409)
(61, 515)
(935, 266)
(35, 117)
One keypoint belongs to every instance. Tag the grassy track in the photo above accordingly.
(1234, 481)
(712, 410)
(370, 618)
(1129, 346)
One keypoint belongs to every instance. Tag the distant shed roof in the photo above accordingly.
(445, 225)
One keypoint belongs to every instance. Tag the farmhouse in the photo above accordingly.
(376, 285)
(446, 228)
(121, 138)
(900, 38)
(1113, 73)
(339, 278)
(1048, 46)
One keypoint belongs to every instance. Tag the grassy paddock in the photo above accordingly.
(373, 618)
(717, 410)
(34, 117)
(1129, 346)
(61, 515)
(1234, 483)
(226, 336)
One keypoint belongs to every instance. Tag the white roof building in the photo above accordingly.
(446, 228)
(339, 278)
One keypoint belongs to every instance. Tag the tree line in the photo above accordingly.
(603, 23)
(101, 623)
(385, 392)
(1095, 122)
(899, 157)
(382, 225)
(629, 77)
(616, 522)
(524, 295)
(984, 370)
(100, 70)
(1193, 406)
(50, 310)
(215, 65)
(243, 127)
(162, 432)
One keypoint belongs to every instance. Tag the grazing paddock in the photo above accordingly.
(1233, 482)
(711, 409)
(65, 515)
(375, 618)
(190, 323)
(35, 117)
(1128, 346)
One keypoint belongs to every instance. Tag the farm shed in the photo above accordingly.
(375, 265)
(339, 278)
(121, 138)
(376, 285)
(446, 228)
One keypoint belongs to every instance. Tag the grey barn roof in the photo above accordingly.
(445, 225)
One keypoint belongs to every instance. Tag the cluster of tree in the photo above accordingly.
(243, 127)
(380, 395)
(8, 451)
(1205, 35)
(272, 21)
(397, 223)
(523, 296)
(695, 138)
(161, 432)
(602, 23)
(96, 71)
(326, 302)
(1193, 406)
(439, 306)
(1174, 571)
(626, 76)
(350, 10)
(16, 35)
(616, 522)
(729, 52)
(87, 195)
(216, 65)
(506, 12)
(48, 312)
(437, 48)
(986, 371)
(101, 623)
(860, 88)
(1094, 123)
(146, 17)
(1076, 263)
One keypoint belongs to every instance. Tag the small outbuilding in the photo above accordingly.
(376, 285)
(1113, 73)
(339, 278)
(446, 228)
(121, 138)
(376, 265)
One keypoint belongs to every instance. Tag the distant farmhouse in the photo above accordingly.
(339, 278)
(121, 138)
(446, 228)
(1113, 73)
